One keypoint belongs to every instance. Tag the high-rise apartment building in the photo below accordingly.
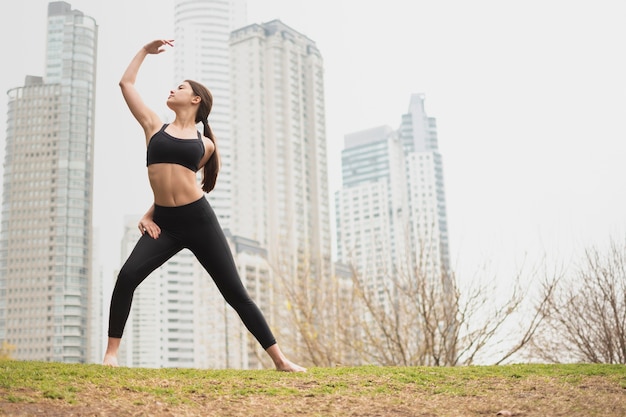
(98, 314)
(46, 238)
(279, 175)
(371, 208)
(202, 31)
(280, 184)
(427, 201)
(391, 210)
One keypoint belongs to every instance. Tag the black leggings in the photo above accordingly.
(193, 226)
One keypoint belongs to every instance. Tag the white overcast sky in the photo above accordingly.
(529, 97)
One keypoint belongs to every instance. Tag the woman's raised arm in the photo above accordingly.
(146, 117)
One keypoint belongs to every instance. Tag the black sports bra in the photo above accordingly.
(165, 148)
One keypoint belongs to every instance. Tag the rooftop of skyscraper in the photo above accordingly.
(367, 136)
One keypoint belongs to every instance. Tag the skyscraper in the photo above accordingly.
(279, 175)
(391, 210)
(46, 239)
(427, 201)
(372, 209)
(280, 184)
(202, 30)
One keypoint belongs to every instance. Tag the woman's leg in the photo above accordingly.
(147, 256)
(215, 256)
(212, 250)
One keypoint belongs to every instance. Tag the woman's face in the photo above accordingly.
(181, 96)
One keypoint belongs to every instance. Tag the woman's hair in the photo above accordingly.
(212, 167)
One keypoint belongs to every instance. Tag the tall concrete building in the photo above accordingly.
(202, 30)
(46, 238)
(391, 210)
(372, 206)
(98, 313)
(279, 176)
(427, 200)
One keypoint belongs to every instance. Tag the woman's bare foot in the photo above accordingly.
(281, 362)
(110, 356)
(289, 366)
(110, 360)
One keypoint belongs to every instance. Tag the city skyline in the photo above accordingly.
(520, 106)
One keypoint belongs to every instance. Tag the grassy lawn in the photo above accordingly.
(55, 389)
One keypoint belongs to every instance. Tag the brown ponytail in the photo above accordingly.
(212, 167)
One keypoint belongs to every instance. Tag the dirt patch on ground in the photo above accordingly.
(593, 396)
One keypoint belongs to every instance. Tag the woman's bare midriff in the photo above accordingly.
(173, 185)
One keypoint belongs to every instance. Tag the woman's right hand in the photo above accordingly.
(147, 225)
(158, 46)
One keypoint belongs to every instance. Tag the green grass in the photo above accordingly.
(62, 381)
(98, 386)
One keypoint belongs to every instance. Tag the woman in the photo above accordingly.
(181, 217)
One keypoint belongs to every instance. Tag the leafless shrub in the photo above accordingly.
(413, 319)
(586, 314)
(312, 314)
(434, 322)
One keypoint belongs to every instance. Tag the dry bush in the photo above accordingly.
(586, 312)
(412, 319)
